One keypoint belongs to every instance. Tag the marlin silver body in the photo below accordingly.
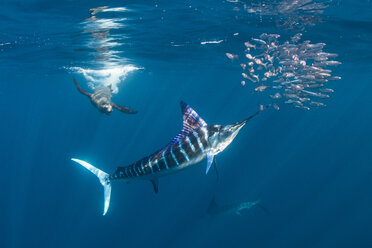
(179, 154)
(196, 141)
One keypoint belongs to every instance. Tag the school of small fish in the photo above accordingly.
(293, 71)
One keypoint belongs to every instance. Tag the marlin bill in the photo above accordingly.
(196, 141)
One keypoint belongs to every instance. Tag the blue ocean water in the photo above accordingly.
(310, 169)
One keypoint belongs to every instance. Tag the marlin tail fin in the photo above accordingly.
(104, 179)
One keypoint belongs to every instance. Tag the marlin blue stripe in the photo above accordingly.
(191, 145)
(204, 136)
(152, 171)
(165, 161)
(138, 171)
(157, 164)
(174, 157)
(183, 151)
(137, 168)
(198, 139)
(128, 171)
(142, 167)
(134, 168)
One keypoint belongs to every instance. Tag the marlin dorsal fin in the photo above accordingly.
(191, 121)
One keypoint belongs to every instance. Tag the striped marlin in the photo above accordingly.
(196, 141)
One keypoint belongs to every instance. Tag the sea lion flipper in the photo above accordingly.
(80, 89)
(124, 109)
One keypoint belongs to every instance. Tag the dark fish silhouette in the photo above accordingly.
(214, 209)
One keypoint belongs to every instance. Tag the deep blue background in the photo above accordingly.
(311, 169)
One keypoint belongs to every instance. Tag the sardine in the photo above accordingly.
(326, 90)
(269, 58)
(331, 62)
(256, 77)
(313, 86)
(296, 37)
(249, 45)
(322, 74)
(259, 62)
(308, 77)
(316, 94)
(288, 74)
(248, 77)
(231, 56)
(317, 45)
(277, 87)
(318, 104)
(259, 41)
(334, 78)
(261, 88)
(329, 55)
(269, 74)
(294, 96)
(327, 62)
(298, 86)
(276, 96)
(278, 80)
(249, 56)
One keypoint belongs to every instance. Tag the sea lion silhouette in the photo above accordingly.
(101, 99)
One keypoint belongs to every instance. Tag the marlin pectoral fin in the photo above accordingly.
(124, 109)
(155, 184)
(210, 157)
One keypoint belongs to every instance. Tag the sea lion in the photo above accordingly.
(101, 99)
